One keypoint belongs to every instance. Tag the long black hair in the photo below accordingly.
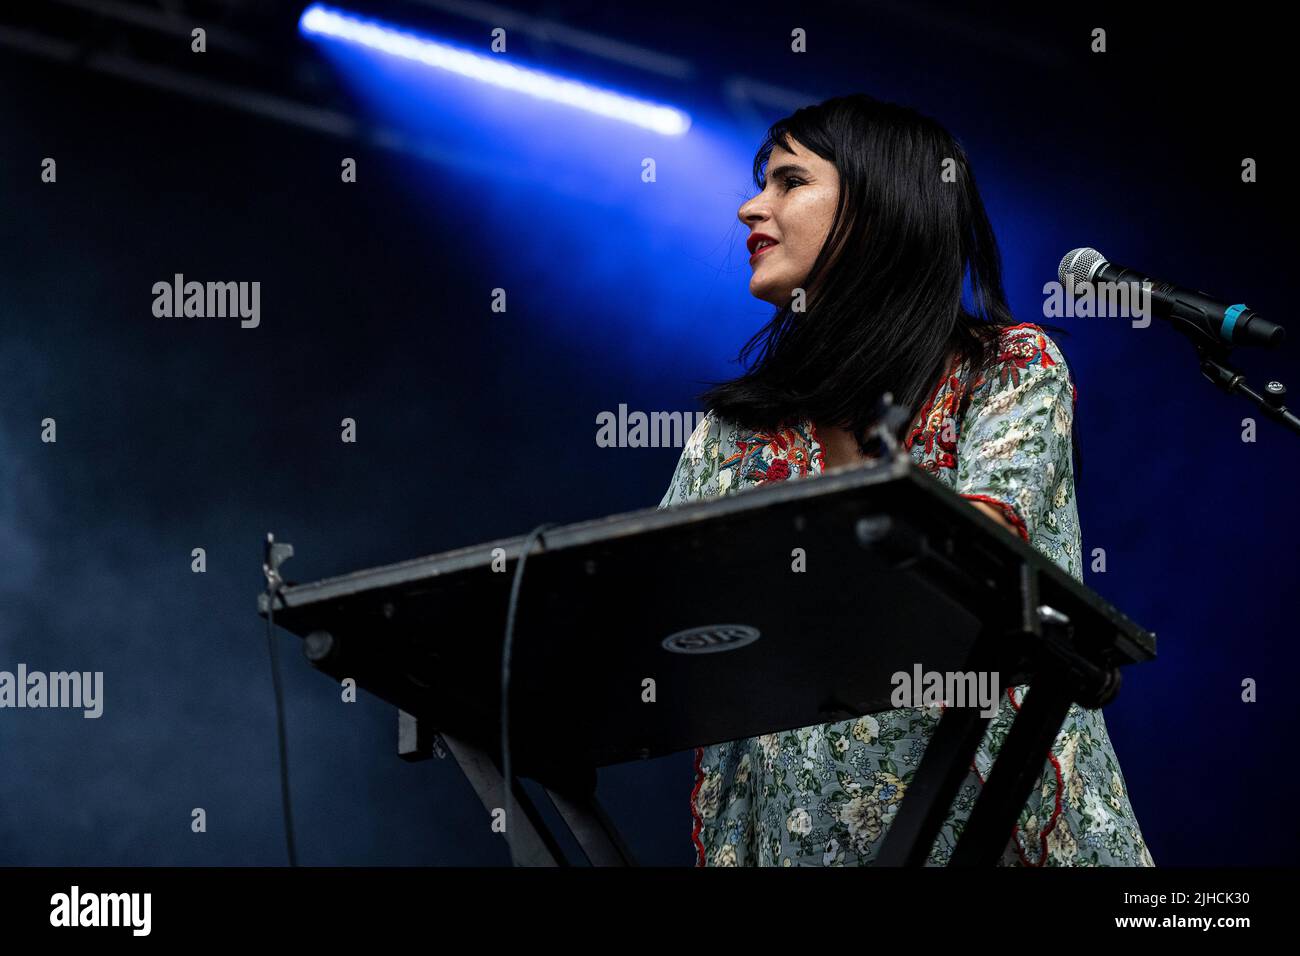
(884, 300)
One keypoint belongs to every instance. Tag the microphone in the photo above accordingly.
(1193, 311)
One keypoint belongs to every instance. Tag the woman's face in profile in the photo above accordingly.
(795, 209)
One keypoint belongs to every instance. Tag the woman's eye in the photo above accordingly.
(787, 183)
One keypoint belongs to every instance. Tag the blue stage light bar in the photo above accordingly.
(319, 20)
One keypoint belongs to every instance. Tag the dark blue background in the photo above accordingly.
(176, 434)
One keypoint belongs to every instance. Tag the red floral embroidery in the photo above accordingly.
(779, 470)
(695, 813)
(934, 426)
(789, 454)
(931, 424)
(1021, 351)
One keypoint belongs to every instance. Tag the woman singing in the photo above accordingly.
(866, 224)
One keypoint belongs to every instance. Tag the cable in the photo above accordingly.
(506, 647)
(273, 585)
(279, 726)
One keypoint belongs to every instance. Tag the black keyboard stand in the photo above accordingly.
(532, 843)
(1063, 677)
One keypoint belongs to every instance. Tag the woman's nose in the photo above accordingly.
(752, 211)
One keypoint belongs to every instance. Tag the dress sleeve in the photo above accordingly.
(1015, 449)
(699, 472)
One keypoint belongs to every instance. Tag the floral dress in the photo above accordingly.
(825, 795)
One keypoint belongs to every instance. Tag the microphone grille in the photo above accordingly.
(1081, 265)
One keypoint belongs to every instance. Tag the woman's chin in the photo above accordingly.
(766, 292)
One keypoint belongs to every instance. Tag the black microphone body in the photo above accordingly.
(1211, 321)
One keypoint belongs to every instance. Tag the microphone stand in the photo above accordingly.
(1215, 367)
